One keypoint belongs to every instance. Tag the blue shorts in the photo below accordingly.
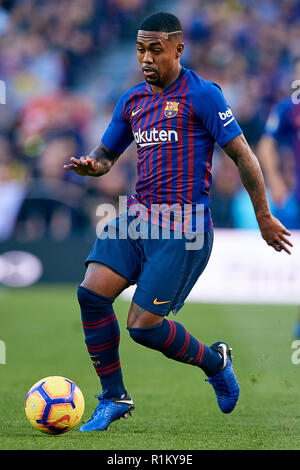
(164, 270)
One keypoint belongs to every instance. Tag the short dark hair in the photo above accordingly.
(162, 22)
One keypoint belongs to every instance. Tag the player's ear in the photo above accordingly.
(179, 49)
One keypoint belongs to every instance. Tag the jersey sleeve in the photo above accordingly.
(212, 109)
(118, 136)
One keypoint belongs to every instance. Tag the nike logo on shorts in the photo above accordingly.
(156, 302)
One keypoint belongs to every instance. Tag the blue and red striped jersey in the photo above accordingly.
(175, 132)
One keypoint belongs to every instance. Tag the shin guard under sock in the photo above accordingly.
(102, 338)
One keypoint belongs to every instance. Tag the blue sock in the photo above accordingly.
(102, 338)
(175, 342)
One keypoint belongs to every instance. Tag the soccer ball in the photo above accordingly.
(54, 405)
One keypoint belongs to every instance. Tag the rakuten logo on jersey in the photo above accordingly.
(154, 136)
(227, 115)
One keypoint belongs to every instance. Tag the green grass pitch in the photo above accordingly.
(175, 408)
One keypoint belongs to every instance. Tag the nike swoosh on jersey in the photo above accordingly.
(135, 112)
(156, 302)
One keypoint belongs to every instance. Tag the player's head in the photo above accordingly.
(159, 47)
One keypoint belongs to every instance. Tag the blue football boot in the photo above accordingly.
(107, 411)
(225, 382)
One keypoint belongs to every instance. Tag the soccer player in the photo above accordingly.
(175, 118)
(282, 129)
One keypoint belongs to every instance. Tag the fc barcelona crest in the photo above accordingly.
(171, 109)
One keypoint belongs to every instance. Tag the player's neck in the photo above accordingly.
(172, 79)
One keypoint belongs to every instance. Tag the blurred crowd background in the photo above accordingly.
(66, 62)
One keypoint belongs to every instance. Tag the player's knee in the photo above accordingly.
(103, 280)
(136, 334)
(83, 295)
(145, 336)
(92, 300)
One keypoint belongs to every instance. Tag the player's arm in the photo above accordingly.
(218, 118)
(97, 163)
(272, 230)
(269, 159)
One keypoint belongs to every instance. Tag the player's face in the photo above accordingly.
(158, 56)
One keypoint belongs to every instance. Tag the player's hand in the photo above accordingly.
(275, 234)
(84, 166)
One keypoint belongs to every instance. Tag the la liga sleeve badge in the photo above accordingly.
(171, 109)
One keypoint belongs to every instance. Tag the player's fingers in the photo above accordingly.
(71, 166)
(75, 160)
(276, 246)
(94, 164)
(286, 249)
(285, 240)
(84, 161)
(286, 232)
(279, 246)
(90, 163)
(79, 161)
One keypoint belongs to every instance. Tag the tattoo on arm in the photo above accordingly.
(105, 157)
(250, 172)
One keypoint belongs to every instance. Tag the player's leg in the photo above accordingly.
(159, 290)
(175, 342)
(113, 265)
(172, 339)
(163, 286)
(96, 295)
